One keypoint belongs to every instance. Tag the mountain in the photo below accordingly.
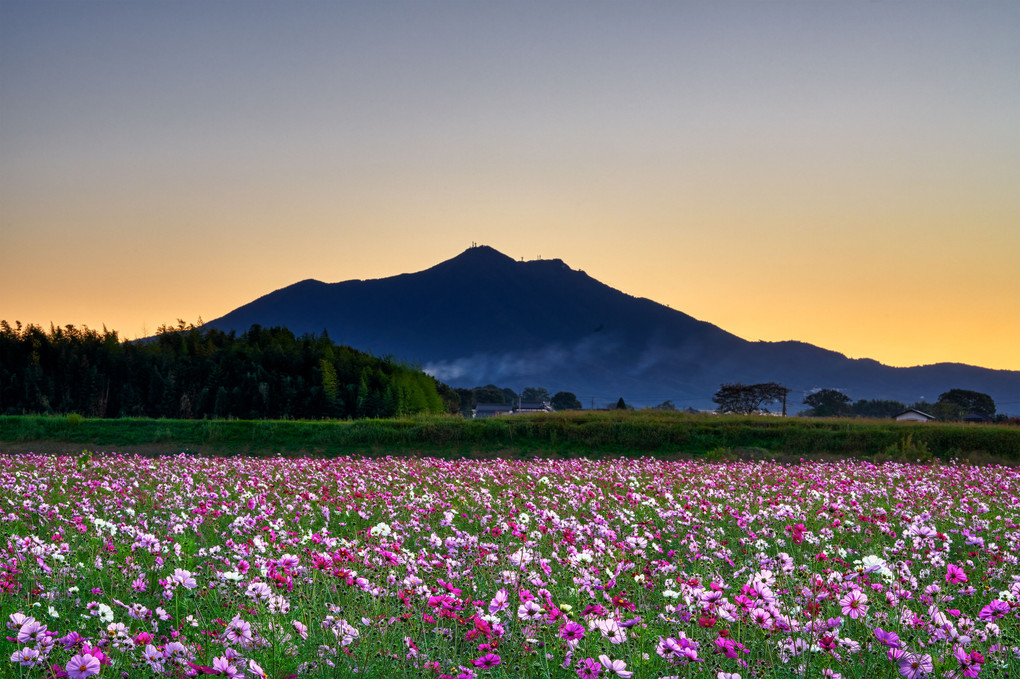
(483, 318)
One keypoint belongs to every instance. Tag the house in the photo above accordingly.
(975, 418)
(492, 409)
(914, 415)
(534, 407)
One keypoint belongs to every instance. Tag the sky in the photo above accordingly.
(841, 173)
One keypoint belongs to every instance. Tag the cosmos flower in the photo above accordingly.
(890, 639)
(994, 610)
(184, 578)
(26, 657)
(617, 667)
(915, 665)
(486, 661)
(31, 631)
(588, 669)
(499, 602)
(81, 666)
(854, 603)
(572, 631)
(256, 670)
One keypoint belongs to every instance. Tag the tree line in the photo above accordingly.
(189, 371)
(953, 405)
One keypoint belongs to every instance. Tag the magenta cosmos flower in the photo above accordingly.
(994, 610)
(572, 631)
(488, 660)
(955, 574)
(588, 669)
(890, 639)
(81, 666)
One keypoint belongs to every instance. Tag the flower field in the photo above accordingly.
(122, 566)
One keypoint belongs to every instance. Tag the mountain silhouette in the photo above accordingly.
(483, 318)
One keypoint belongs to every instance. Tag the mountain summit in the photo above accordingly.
(482, 317)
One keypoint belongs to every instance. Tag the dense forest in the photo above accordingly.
(189, 371)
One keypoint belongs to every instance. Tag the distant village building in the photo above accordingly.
(914, 415)
(535, 407)
(494, 409)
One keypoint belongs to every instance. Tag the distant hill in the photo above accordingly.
(483, 317)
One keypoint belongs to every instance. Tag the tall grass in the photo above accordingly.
(562, 434)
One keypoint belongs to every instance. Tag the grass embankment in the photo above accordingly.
(590, 434)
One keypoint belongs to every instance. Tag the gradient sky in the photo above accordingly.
(841, 173)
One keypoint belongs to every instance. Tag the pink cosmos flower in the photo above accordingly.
(31, 631)
(258, 590)
(529, 610)
(970, 663)
(797, 532)
(572, 631)
(955, 574)
(81, 666)
(96, 653)
(611, 630)
(890, 639)
(18, 620)
(184, 578)
(617, 667)
(222, 665)
(994, 610)
(854, 603)
(915, 665)
(238, 632)
(153, 657)
(27, 657)
(486, 661)
(499, 602)
(588, 669)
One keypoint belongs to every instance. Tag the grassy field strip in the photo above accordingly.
(564, 434)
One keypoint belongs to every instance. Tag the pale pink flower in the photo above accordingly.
(184, 578)
(499, 602)
(27, 657)
(617, 667)
(915, 665)
(81, 666)
(31, 631)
